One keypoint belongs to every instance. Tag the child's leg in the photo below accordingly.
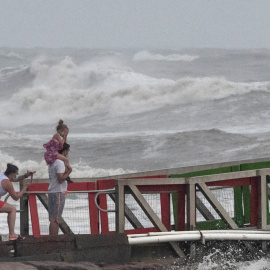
(68, 167)
(63, 158)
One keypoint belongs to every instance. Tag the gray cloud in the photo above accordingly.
(170, 24)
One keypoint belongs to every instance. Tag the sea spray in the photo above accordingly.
(261, 264)
(218, 260)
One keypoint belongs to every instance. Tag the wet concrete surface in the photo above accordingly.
(52, 265)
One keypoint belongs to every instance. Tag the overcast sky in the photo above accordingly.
(168, 24)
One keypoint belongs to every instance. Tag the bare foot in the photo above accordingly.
(13, 236)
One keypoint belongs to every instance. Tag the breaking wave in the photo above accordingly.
(147, 56)
(73, 91)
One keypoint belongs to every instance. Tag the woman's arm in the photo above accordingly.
(22, 177)
(7, 186)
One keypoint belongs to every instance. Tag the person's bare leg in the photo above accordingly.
(11, 217)
(53, 228)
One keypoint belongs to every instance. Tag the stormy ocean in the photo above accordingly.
(134, 110)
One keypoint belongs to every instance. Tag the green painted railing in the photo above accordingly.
(241, 195)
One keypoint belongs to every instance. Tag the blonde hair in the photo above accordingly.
(61, 125)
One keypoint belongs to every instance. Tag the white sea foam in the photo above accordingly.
(79, 170)
(11, 55)
(11, 70)
(262, 264)
(147, 56)
(74, 91)
(41, 167)
(7, 135)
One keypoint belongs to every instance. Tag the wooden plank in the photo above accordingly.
(254, 202)
(264, 201)
(147, 208)
(265, 171)
(165, 209)
(232, 176)
(181, 208)
(231, 182)
(216, 205)
(220, 177)
(191, 216)
(93, 214)
(152, 216)
(120, 208)
(24, 213)
(75, 180)
(129, 215)
(152, 181)
(93, 210)
(204, 210)
(191, 207)
(102, 201)
(34, 215)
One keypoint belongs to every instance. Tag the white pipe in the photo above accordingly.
(162, 233)
(234, 236)
(164, 238)
(202, 231)
(200, 235)
(235, 231)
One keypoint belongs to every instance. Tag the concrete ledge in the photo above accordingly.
(98, 249)
(44, 245)
(6, 249)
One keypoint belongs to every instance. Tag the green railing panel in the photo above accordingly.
(238, 208)
(246, 203)
(235, 168)
(199, 173)
(213, 225)
(241, 195)
(254, 166)
(175, 209)
(204, 172)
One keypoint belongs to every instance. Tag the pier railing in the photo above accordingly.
(230, 195)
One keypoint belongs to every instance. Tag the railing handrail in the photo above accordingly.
(194, 179)
(178, 170)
